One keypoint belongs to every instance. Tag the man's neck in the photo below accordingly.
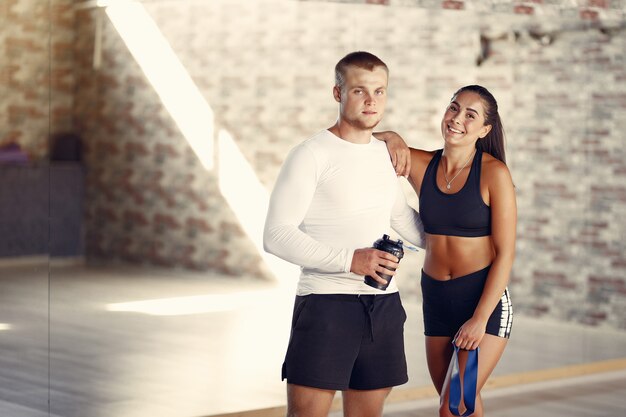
(351, 134)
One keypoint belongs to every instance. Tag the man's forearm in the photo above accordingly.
(288, 242)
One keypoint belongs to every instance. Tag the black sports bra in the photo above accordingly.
(460, 214)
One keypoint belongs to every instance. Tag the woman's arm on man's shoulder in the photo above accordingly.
(399, 151)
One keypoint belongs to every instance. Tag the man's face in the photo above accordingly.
(363, 97)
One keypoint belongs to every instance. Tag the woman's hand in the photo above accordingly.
(398, 151)
(470, 334)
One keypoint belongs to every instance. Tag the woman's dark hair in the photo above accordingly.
(493, 143)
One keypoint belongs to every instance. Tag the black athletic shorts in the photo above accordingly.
(343, 341)
(447, 305)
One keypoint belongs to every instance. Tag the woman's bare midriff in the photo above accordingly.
(449, 257)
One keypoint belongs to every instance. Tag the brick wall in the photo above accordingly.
(265, 68)
(567, 154)
(149, 199)
(36, 72)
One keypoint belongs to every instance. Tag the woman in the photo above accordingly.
(467, 205)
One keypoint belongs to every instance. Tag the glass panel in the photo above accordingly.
(24, 207)
(69, 368)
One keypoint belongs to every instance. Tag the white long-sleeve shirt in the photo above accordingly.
(332, 197)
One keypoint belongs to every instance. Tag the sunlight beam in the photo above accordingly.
(238, 182)
(198, 304)
(249, 199)
(168, 76)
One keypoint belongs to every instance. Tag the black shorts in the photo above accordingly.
(343, 341)
(447, 305)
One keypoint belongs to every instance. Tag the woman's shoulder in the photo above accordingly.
(496, 171)
(422, 156)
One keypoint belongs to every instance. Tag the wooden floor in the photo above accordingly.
(127, 342)
(599, 395)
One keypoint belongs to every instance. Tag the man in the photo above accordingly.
(337, 193)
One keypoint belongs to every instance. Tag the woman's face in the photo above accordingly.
(464, 119)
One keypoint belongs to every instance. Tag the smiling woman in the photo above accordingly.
(470, 239)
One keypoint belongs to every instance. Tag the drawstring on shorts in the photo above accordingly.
(369, 309)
